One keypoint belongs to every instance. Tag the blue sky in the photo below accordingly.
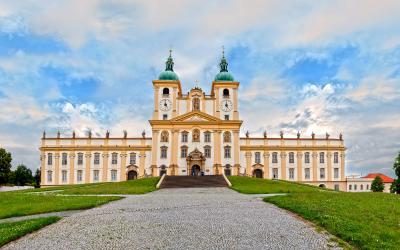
(326, 66)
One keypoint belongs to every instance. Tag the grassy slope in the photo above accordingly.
(365, 220)
(27, 202)
(13, 230)
(19, 204)
(248, 185)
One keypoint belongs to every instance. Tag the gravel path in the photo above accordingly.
(201, 218)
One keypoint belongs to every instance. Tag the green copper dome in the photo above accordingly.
(223, 75)
(168, 73)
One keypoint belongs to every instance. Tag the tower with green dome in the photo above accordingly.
(223, 75)
(169, 74)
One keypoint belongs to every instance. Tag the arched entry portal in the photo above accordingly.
(322, 186)
(195, 170)
(132, 175)
(258, 173)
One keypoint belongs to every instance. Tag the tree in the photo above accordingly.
(377, 185)
(5, 166)
(37, 178)
(395, 187)
(23, 176)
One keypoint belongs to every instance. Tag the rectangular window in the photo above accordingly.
(350, 187)
(113, 175)
(307, 157)
(291, 157)
(64, 176)
(132, 158)
(96, 160)
(207, 137)
(336, 158)
(96, 175)
(207, 152)
(337, 187)
(184, 137)
(227, 152)
(307, 173)
(336, 173)
(226, 117)
(291, 173)
(80, 158)
(114, 158)
(163, 152)
(275, 173)
(322, 173)
(165, 117)
(49, 176)
(79, 176)
(64, 160)
(257, 157)
(274, 157)
(183, 152)
(355, 186)
(50, 159)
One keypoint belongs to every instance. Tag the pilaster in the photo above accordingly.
(236, 151)
(104, 175)
(56, 168)
(154, 151)
(314, 165)
(71, 168)
(123, 166)
(43, 160)
(248, 163)
(329, 166)
(299, 168)
(142, 161)
(266, 156)
(88, 156)
(283, 165)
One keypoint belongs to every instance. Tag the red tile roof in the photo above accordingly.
(386, 179)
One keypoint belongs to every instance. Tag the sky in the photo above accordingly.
(309, 66)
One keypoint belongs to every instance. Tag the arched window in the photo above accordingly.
(49, 176)
(336, 157)
(165, 91)
(132, 158)
(164, 136)
(350, 187)
(257, 156)
(227, 150)
(207, 136)
(291, 157)
(225, 93)
(274, 157)
(196, 135)
(307, 157)
(196, 103)
(49, 159)
(322, 157)
(361, 187)
(164, 152)
(227, 136)
(207, 151)
(114, 158)
(184, 151)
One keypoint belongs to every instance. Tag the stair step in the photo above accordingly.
(193, 181)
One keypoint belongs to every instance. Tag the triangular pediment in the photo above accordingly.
(195, 116)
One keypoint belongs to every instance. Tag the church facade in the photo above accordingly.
(193, 133)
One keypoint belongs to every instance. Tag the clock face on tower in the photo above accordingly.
(226, 105)
(165, 105)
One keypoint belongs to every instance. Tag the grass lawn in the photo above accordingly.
(14, 204)
(365, 220)
(248, 185)
(10, 231)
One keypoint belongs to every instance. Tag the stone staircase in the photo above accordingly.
(193, 181)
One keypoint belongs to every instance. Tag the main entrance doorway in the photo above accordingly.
(258, 173)
(195, 170)
(132, 175)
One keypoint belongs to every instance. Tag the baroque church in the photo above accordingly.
(193, 133)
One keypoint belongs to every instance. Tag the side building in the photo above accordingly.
(194, 133)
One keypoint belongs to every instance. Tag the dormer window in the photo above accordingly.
(225, 93)
(165, 92)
